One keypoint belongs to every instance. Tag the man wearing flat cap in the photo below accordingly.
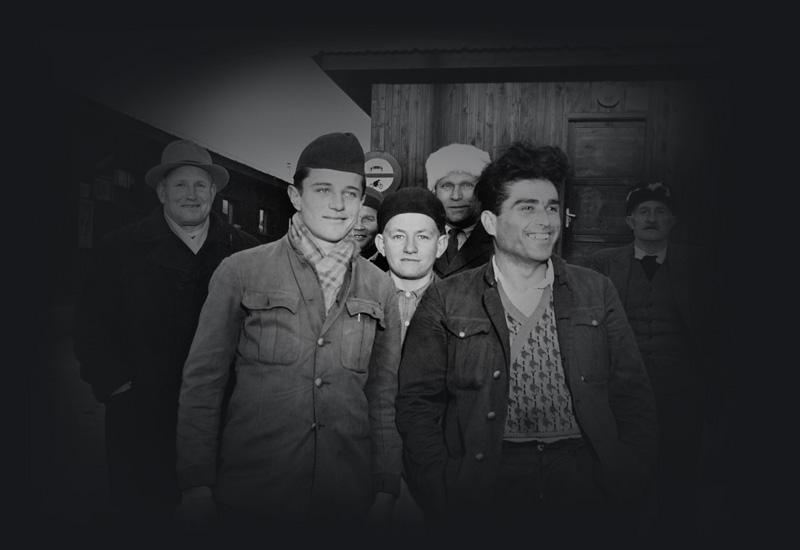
(664, 289)
(313, 332)
(366, 225)
(135, 321)
(451, 173)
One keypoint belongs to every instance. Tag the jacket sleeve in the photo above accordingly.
(381, 390)
(421, 402)
(205, 376)
(630, 396)
(98, 326)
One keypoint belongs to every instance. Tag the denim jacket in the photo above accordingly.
(309, 428)
(453, 388)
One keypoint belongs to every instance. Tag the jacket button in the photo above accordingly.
(496, 374)
(461, 334)
(490, 415)
(313, 425)
(594, 322)
(318, 382)
(321, 342)
(479, 457)
(583, 378)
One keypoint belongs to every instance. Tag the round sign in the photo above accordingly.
(382, 171)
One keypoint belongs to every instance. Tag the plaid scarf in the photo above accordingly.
(330, 268)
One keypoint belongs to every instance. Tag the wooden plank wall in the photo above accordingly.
(685, 128)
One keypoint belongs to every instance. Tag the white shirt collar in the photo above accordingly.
(549, 275)
(661, 255)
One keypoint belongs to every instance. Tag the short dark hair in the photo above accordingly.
(520, 161)
(302, 174)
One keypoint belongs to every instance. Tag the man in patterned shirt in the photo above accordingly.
(522, 397)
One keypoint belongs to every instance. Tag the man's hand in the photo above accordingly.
(197, 510)
(380, 514)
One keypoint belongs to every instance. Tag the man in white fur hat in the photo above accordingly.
(451, 173)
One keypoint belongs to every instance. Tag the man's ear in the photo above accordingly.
(441, 244)
(294, 197)
(379, 244)
(489, 221)
(161, 192)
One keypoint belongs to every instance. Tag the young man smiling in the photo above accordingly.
(312, 331)
(522, 396)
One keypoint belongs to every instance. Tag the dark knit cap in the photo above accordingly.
(414, 200)
(373, 198)
(642, 192)
(337, 151)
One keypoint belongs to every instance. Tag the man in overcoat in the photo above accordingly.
(451, 173)
(523, 402)
(135, 321)
(664, 288)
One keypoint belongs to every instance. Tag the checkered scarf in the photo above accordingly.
(330, 269)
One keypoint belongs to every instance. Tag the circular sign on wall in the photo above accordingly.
(382, 171)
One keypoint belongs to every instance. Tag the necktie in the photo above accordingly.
(650, 266)
(452, 244)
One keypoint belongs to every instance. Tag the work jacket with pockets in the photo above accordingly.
(309, 430)
(453, 388)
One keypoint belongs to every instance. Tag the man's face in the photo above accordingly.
(328, 203)
(529, 222)
(187, 194)
(366, 226)
(411, 243)
(456, 191)
(651, 221)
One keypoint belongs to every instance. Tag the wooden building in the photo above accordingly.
(623, 110)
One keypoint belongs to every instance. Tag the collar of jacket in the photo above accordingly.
(560, 276)
(155, 228)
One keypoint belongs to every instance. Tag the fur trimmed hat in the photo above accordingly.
(456, 157)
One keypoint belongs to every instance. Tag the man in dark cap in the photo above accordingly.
(664, 288)
(136, 318)
(366, 226)
(313, 332)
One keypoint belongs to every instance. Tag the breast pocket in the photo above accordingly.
(591, 345)
(469, 347)
(272, 326)
(361, 318)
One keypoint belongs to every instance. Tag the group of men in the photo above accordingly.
(476, 377)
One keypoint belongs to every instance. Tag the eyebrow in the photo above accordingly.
(534, 201)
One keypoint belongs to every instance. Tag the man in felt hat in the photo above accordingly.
(664, 287)
(451, 172)
(313, 332)
(522, 398)
(136, 318)
(366, 225)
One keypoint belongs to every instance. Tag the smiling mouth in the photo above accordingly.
(539, 236)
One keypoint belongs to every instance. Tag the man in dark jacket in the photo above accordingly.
(451, 172)
(664, 288)
(135, 321)
(522, 399)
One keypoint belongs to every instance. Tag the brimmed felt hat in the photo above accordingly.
(183, 152)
